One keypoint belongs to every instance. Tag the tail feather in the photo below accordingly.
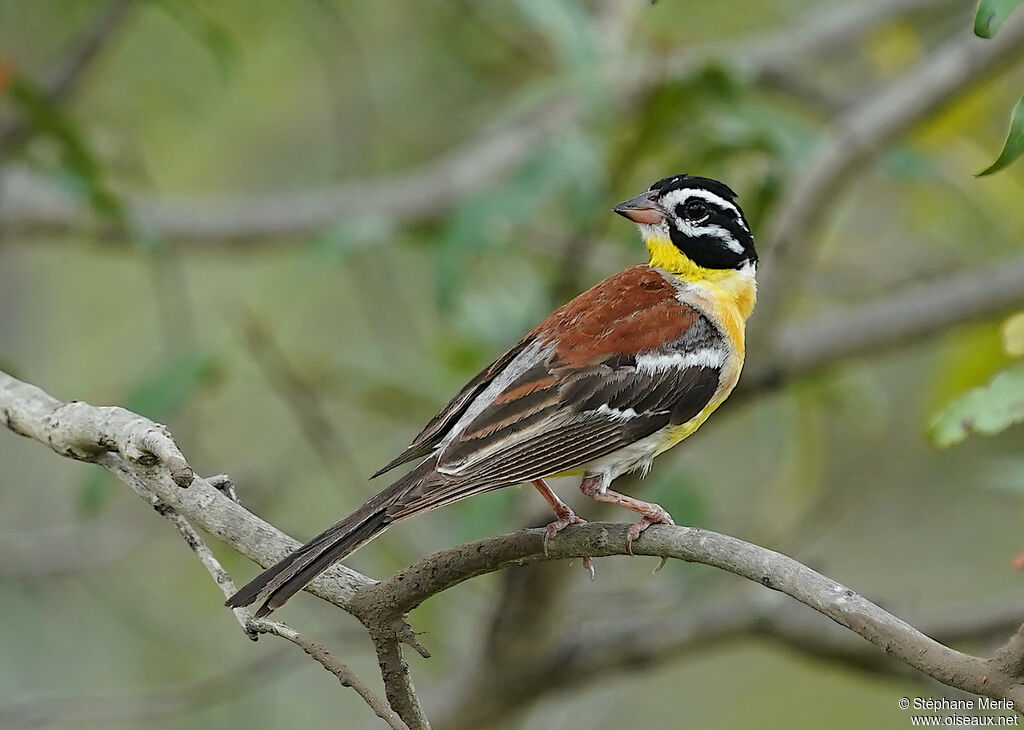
(290, 575)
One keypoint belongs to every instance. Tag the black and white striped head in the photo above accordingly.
(699, 216)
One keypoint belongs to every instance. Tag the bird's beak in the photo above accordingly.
(643, 208)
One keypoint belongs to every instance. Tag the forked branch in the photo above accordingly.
(143, 455)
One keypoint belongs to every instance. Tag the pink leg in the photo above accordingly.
(565, 517)
(653, 514)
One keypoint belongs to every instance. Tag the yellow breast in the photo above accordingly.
(726, 297)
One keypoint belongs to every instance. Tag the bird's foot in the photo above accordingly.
(596, 487)
(565, 519)
(653, 514)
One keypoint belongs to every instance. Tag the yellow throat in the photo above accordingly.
(729, 294)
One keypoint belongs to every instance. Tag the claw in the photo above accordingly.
(588, 565)
(565, 517)
(560, 524)
(654, 516)
(596, 487)
(569, 518)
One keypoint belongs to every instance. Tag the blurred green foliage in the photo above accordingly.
(202, 101)
(78, 167)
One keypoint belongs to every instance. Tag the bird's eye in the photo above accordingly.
(696, 211)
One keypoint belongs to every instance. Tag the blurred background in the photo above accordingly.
(291, 231)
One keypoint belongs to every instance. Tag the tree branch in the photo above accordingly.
(253, 626)
(410, 587)
(857, 138)
(142, 454)
(30, 204)
(893, 321)
(137, 449)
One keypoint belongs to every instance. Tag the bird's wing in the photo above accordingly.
(613, 366)
(439, 425)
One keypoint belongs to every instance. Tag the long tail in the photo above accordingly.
(290, 575)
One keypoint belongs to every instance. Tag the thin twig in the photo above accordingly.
(345, 675)
(252, 626)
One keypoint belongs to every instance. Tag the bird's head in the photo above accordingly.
(693, 227)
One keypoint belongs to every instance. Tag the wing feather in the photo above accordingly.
(438, 427)
(573, 392)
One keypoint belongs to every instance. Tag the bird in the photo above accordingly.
(606, 383)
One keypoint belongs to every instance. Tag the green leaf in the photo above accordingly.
(985, 410)
(163, 392)
(1014, 145)
(1013, 335)
(991, 15)
(82, 171)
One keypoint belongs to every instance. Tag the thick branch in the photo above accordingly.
(253, 626)
(143, 455)
(145, 449)
(438, 572)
